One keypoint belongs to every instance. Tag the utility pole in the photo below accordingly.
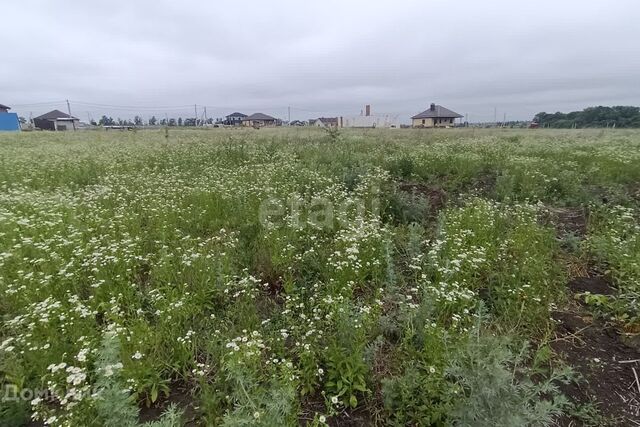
(495, 116)
(504, 120)
(289, 114)
(69, 110)
(195, 108)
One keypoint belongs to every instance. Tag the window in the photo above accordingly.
(423, 121)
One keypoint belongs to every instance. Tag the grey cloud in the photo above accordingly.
(321, 58)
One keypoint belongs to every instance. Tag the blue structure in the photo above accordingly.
(9, 122)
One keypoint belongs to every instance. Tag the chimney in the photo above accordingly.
(367, 109)
(433, 107)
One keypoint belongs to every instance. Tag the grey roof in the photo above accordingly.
(259, 116)
(4, 107)
(55, 114)
(438, 112)
(330, 120)
(236, 114)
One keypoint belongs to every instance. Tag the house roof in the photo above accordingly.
(259, 116)
(4, 107)
(330, 120)
(236, 114)
(55, 114)
(437, 111)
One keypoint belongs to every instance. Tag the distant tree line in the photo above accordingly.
(153, 121)
(593, 117)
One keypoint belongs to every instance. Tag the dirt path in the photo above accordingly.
(598, 354)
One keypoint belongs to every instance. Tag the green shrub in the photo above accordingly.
(498, 388)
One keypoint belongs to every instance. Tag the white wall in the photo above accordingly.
(67, 123)
(370, 122)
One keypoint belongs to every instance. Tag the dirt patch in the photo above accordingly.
(353, 418)
(274, 286)
(180, 397)
(598, 353)
(142, 275)
(272, 282)
(486, 182)
(567, 221)
(359, 417)
(436, 196)
(595, 285)
(634, 191)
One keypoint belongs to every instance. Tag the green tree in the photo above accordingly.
(106, 121)
(618, 116)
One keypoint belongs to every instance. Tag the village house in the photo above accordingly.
(8, 121)
(368, 120)
(435, 116)
(56, 120)
(324, 122)
(234, 119)
(259, 120)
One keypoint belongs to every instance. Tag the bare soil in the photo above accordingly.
(359, 417)
(568, 221)
(598, 354)
(595, 285)
(180, 397)
(485, 183)
(436, 196)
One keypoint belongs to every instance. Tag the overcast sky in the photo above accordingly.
(321, 58)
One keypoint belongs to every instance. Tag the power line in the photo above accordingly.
(134, 107)
(149, 108)
(36, 104)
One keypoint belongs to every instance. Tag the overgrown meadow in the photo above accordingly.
(301, 277)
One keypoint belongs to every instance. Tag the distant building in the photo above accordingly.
(435, 116)
(56, 120)
(297, 123)
(8, 121)
(259, 120)
(325, 122)
(234, 119)
(368, 120)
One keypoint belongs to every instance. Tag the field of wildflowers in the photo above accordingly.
(297, 277)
